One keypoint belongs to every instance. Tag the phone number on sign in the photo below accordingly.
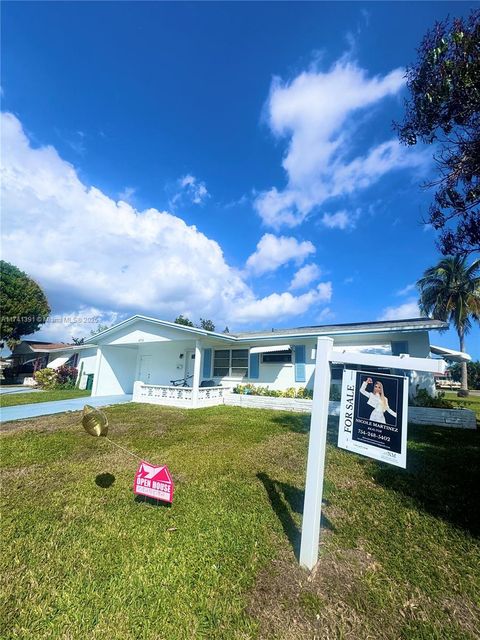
(375, 436)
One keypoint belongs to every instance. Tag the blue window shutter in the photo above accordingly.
(399, 347)
(254, 369)
(300, 363)
(207, 363)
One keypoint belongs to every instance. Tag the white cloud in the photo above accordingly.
(318, 112)
(339, 220)
(90, 252)
(325, 314)
(305, 276)
(282, 305)
(191, 188)
(127, 194)
(76, 324)
(274, 251)
(408, 289)
(402, 312)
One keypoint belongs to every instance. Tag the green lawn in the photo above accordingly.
(11, 399)
(400, 553)
(470, 402)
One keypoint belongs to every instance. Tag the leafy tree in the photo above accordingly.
(78, 340)
(207, 325)
(450, 291)
(444, 110)
(99, 329)
(185, 321)
(473, 373)
(24, 305)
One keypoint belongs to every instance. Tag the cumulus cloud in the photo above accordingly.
(318, 112)
(283, 304)
(402, 312)
(274, 251)
(305, 276)
(89, 251)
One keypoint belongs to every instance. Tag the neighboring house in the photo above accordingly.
(144, 355)
(31, 355)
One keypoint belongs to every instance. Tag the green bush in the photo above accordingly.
(291, 392)
(46, 378)
(462, 393)
(424, 399)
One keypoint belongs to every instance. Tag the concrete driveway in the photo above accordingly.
(23, 411)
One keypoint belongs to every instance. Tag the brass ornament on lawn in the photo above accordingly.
(94, 421)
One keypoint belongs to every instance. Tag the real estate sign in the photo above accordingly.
(373, 416)
(154, 482)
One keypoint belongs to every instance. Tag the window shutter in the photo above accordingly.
(254, 369)
(399, 347)
(300, 375)
(207, 363)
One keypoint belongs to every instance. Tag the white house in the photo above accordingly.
(144, 356)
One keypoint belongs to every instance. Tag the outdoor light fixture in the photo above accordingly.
(181, 356)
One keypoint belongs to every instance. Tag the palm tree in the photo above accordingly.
(450, 291)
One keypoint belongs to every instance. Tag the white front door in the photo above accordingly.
(189, 367)
(145, 371)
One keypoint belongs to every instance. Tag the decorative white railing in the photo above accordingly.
(178, 396)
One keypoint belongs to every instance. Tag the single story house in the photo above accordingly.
(151, 358)
(29, 356)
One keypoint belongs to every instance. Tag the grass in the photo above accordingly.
(12, 399)
(470, 402)
(82, 558)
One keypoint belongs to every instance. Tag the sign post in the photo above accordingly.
(312, 509)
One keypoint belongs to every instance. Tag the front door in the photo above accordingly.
(145, 371)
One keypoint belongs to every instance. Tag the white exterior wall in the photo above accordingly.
(165, 363)
(281, 376)
(88, 358)
(116, 371)
(277, 376)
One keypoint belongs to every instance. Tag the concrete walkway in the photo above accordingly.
(23, 411)
(7, 390)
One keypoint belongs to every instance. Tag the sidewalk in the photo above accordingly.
(22, 411)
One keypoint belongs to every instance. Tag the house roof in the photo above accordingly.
(450, 354)
(47, 347)
(411, 324)
(389, 326)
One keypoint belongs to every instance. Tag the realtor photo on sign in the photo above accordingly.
(373, 415)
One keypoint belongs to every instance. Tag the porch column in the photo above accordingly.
(196, 372)
(96, 374)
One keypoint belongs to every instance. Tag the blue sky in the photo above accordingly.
(234, 161)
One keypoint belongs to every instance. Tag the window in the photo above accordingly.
(230, 362)
(277, 356)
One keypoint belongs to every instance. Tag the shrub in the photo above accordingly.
(66, 377)
(291, 392)
(305, 393)
(424, 399)
(462, 393)
(46, 378)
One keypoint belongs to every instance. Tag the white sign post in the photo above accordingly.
(312, 508)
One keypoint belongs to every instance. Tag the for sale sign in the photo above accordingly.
(154, 482)
(373, 416)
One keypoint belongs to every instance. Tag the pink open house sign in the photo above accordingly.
(154, 482)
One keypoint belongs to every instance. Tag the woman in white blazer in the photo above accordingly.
(377, 400)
